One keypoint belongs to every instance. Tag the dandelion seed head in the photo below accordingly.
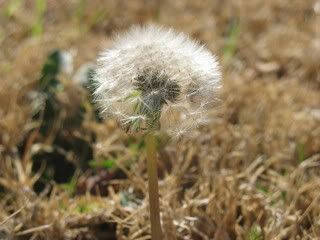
(155, 78)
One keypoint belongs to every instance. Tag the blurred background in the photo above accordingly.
(252, 173)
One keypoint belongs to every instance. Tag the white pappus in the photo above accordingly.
(156, 78)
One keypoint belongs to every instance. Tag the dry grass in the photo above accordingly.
(253, 173)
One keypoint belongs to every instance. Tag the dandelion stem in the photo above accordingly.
(156, 232)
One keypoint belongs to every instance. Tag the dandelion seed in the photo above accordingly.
(155, 78)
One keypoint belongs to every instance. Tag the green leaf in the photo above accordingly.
(300, 149)
(49, 85)
(230, 46)
(83, 208)
(254, 233)
(37, 28)
(261, 188)
(79, 11)
(48, 81)
(108, 163)
(70, 187)
(13, 7)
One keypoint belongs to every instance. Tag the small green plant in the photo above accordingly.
(230, 45)
(70, 187)
(107, 163)
(49, 86)
(12, 7)
(84, 21)
(56, 128)
(254, 233)
(40, 8)
(262, 188)
(300, 150)
(86, 207)
(80, 11)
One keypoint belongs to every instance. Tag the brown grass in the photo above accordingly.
(253, 173)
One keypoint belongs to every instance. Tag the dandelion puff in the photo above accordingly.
(155, 78)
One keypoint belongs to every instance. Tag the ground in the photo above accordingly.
(251, 173)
